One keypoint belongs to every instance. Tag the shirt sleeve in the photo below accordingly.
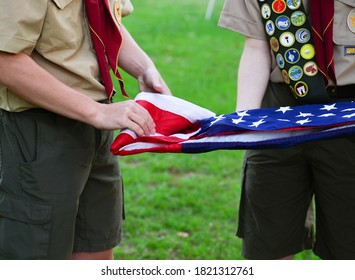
(21, 24)
(243, 17)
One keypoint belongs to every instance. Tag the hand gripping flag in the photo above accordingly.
(183, 127)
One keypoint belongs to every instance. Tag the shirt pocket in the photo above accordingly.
(344, 23)
(62, 28)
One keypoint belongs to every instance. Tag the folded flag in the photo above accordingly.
(183, 127)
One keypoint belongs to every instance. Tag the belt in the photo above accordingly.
(341, 92)
(104, 101)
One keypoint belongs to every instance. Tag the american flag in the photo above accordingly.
(184, 127)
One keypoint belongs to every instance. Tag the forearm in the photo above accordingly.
(253, 74)
(29, 81)
(132, 58)
(137, 63)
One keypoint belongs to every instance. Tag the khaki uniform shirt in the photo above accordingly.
(243, 16)
(55, 34)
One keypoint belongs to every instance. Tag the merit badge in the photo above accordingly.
(279, 6)
(274, 43)
(287, 39)
(266, 11)
(351, 20)
(285, 77)
(270, 27)
(303, 35)
(310, 68)
(280, 61)
(117, 10)
(301, 89)
(292, 56)
(308, 51)
(283, 22)
(295, 73)
(293, 4)
(298, 18)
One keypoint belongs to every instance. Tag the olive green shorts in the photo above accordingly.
(277, 189)
(60, 187)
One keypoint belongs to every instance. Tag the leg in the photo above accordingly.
(288, 258)
(103, 255)
(99, 218)
(40, 191)
(46, 209)
(333, 163)
(276, 194)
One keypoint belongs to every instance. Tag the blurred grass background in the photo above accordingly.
(184, 206)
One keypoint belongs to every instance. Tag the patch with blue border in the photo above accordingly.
(349, 50)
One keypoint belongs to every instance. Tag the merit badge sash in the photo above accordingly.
(289, 33)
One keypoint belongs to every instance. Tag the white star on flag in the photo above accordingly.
(284, 109)
(349, 116)
(237, 121)
(302, 122)
(217, 119)
(326, 115)
(243, 114)
(329, 107)
(256, 124)
(303, 115)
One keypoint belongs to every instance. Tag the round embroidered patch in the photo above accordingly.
(295, 73)
(298, 18)
(274, 44)
(279, 6)
(270, 27)
(117, 10)
(310, 68)
(287, 39)
(280, 61)
(303, 35)
(351, 20)
(301, 89)
(293, 4)
(285, 77)
(266, 11)
(292, 56)
(308, 51)
(283, 22)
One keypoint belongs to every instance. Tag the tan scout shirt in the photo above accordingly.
(243, 16)
(55, 34)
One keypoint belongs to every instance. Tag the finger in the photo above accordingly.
(164, 89)
(144, 113)
(143, 119)
(152, 83)
(137, 114)
(146, 125)
(158, 87)
(135, 128)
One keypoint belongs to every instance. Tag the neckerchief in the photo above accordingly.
(107, 39)
(322, 15)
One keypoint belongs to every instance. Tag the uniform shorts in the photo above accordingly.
(60, 187)
(277, 189)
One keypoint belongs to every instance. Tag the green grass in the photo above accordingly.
(184, 206)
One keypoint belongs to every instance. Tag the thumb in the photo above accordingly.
(157, 85)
